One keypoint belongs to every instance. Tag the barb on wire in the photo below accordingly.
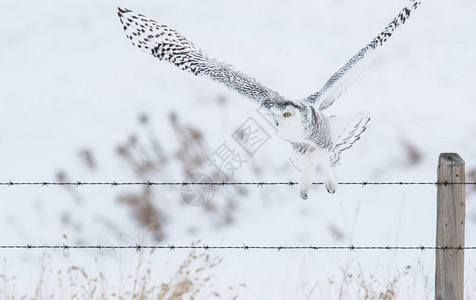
(245, 247)
(221, 183)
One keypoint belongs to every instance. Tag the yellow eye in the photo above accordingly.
(287, 114)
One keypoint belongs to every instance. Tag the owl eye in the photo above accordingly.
(287, 114)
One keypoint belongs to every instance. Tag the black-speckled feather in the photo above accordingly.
(346, 75)
(169, 45)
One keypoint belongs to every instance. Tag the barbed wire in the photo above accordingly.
(205, 247)
(223, 183)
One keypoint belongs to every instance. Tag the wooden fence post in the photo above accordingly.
(449, 277)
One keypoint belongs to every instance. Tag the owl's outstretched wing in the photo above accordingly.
(167, 44)
(345, 76)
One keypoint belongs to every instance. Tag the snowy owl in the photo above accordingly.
(316, 139)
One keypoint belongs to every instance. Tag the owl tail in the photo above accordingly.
(345, 131)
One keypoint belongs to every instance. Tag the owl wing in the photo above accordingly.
(346, 75)
(167, 44)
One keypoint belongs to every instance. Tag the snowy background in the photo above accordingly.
(79, 102)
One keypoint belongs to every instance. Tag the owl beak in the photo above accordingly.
(277, 124)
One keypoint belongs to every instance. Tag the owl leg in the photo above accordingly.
(330, 182)
(305, 182)
(305, 164)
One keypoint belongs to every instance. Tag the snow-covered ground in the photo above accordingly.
(71, 81)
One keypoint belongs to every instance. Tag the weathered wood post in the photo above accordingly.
(449, 279)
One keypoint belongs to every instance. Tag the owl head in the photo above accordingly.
(289, 118)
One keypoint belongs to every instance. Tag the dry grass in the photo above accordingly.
(413, 155)
(146, 157)
(190, 281)
(193, 279)
(144, 211)
(411, 282)
(373, 288)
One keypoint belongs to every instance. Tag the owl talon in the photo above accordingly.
(331, 187)
(305, 183)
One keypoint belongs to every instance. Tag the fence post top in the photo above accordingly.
(451, 158)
